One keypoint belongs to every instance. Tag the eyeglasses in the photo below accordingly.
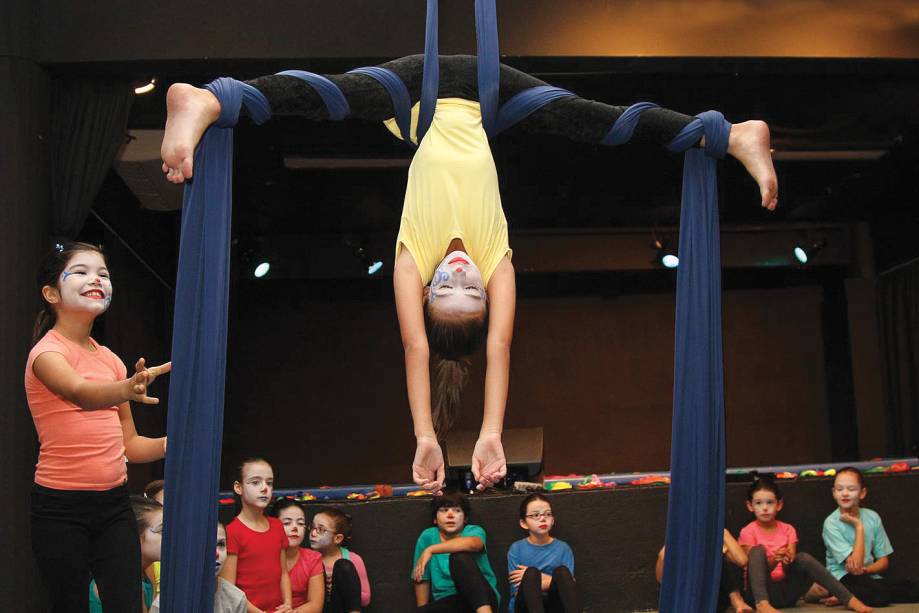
(543, 515)
(320, 530)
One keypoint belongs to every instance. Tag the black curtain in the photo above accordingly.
(88, 123)
(898, 312)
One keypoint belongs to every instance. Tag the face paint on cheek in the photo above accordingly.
(324, 540)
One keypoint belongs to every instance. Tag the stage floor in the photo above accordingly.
(897, 608)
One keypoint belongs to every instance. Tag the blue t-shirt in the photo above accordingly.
(546, 558)
(438, 569)
(839, 539)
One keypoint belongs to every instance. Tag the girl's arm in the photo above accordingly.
(879, 566)
(139, 449)
(855, 563)
(659, 565)
(488, 461)
(315, 596)
(53, 370)
(459, 544)
(734, 552)
(228, 572)
(315, 591)
(422, 593)
(361, 569)
(428, 466)
(286, 592)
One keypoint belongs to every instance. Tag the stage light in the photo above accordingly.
(375, 267)
(146, 89)
(665, 256)
(805, 251)
(261, 270)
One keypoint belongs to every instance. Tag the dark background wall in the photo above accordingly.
(313, 374)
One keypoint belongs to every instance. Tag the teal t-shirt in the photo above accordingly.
(438, 569)
(839, 539)
(95, 605)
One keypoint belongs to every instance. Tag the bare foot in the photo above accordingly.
(857, 605)
(738, 604)
(189, 111)
(763, 606)
(749, 143)
(832, 601)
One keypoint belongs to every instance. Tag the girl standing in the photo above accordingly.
(257, 545)
(79, 393)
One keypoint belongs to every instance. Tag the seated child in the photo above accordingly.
(540, 567)
(307, 583)
(735, 559)
(857, 546)
(227, 597)
(778, 575)
(149, 516)
(451, 568)
(346, 582)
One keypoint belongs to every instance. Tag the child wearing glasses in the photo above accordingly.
(540, 567)
(346, 582)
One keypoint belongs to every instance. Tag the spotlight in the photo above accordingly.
(666, 256)
(261, 270)
(375, 267)
(146, 89)
(806, 251)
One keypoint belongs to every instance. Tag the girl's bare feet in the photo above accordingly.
(738, 604)
(857, 605)
(189, 111)
(749, 143)
(763, 606)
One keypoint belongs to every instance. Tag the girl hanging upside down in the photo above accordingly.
(453, 275)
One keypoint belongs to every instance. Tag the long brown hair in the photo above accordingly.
(453, 339)
(49, 273)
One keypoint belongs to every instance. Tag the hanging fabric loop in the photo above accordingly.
(398, 93)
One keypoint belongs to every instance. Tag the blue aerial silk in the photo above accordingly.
(696, 501)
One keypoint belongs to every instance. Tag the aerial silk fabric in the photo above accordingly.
(696, 501)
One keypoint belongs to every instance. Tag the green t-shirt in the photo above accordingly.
(438, 569)
(95, 605)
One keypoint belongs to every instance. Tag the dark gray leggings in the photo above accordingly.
(799, 575)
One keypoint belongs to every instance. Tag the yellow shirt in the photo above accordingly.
(452, 192)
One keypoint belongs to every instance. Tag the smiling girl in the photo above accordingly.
(257, 545)
(78, 393)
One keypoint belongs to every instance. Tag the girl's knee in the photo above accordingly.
(343, 566)
(531, 574)
(461, 559)
(805, 557)
(561, 572)
(757, 552)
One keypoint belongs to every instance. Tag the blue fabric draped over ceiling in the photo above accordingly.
(696, 501)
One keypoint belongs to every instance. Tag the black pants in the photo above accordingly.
(79, 534)
(581, 120)
(472, 589)
(881, 592)
(345, 595)
(799, 576)
(562, 596)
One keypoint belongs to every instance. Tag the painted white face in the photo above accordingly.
(220, 551)
(151, 541)
(294, 522)
(450, 520)
(85, 285)
(539, 519)
(457, 285)
(257, 485)
(847, 491)
(322, 532)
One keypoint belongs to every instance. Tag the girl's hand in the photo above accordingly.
(142, 379)
(284, 608)
(428, 465)
(855, 567)
(516, 576)
(423, 559)
(488, 463)
(852, 520)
